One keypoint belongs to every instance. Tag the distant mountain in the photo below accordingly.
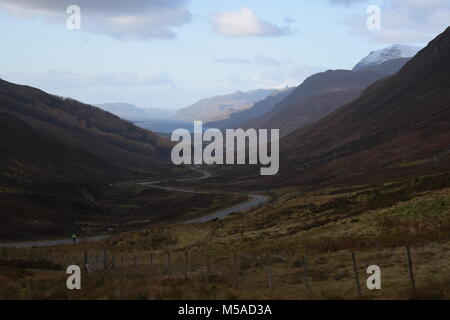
(131, 112)
(393, 52)
(321, 94)
(220, 107)
(159, 113)
(258, 109)
(398, 127)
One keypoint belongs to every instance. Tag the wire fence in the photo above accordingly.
(327, 275)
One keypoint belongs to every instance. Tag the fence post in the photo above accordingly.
(269, 271)
(186, 261)
(355, 270)
(306, 277)
(207, 268)
(410, 267)
(151, 263)
(85, 261)
(105, 262)
(169, 263)
(236, 269)
(113, 262)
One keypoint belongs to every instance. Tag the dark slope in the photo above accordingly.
(26, 155)
(399, 126)
(58, 155)
(82, 126)
(321, 94)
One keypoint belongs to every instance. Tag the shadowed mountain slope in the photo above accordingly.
(57, 156)
(321, 94)
(398, 126)
(74, 124)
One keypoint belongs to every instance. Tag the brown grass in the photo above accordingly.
(320, 228)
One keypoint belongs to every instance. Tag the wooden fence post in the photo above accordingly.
(236, 269)
(306, 277)
(269, 271)
(207, 268)
(86, 261)
(151, 263)
(105, 261)
(169, 263)
(113, 262)
(355, 270)
(410, 267)
(186, 261)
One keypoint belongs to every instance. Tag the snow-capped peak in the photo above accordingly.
(395, 51)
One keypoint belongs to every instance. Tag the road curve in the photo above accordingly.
(254, 201)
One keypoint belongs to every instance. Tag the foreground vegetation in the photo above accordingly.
(297, 247)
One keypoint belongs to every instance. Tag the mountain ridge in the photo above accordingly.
(220, 107)
(392, 52)
(397, 127)
(321, 94)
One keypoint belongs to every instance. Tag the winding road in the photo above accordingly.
(253, 202)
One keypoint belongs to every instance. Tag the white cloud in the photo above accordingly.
(131, 19)
(65, 79)
(245, 22)
(255, 60)
(288, 75)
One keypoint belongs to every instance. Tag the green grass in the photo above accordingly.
(419, 209)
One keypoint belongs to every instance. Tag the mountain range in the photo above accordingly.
(385, 119)
(132, 112)
(258, 109)
(221, 107)
(398, 127)
(321, 94)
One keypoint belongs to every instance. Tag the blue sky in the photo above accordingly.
(170, 53)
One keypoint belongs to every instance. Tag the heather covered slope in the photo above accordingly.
(78, 125)
(321, 94)
(58, 156)
(27, 156)
(398, 126)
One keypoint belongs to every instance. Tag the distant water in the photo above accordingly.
(166, 126)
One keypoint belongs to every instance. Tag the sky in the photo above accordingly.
(171, 53)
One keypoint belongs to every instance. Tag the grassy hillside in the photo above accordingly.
(302, 242)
